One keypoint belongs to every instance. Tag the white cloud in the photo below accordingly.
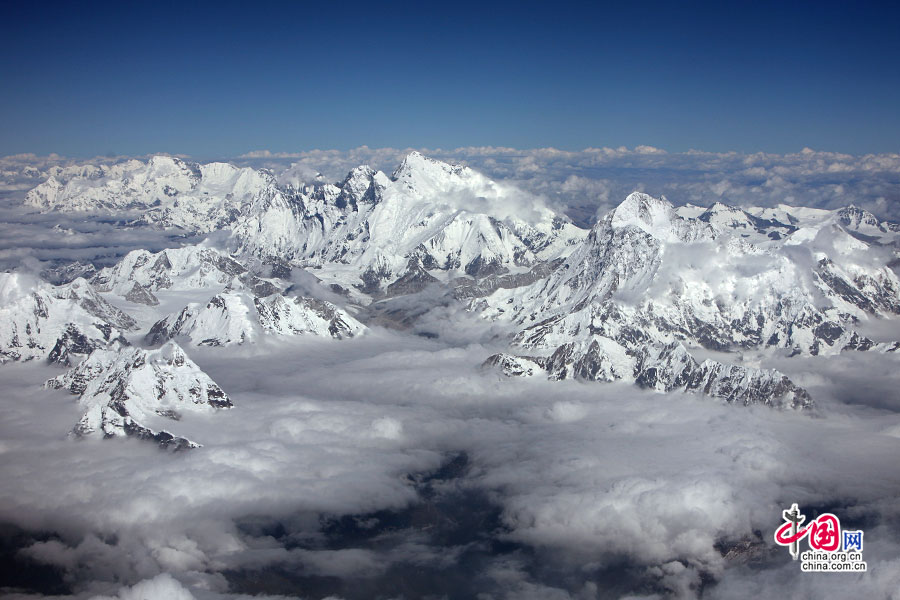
(584, 475)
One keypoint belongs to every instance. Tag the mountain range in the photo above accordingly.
(665, 296)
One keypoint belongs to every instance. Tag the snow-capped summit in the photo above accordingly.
(656, 217)
(360, 184)
(862, 221)
(721, 215)
(653, 215)
(429, 178)
(236, 318)
(126, 392)
(646, 278)
(59, 323)
(363, 233)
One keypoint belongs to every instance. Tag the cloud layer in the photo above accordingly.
(593, 484)
(595, 179)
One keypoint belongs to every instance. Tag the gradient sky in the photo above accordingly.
(220, 79)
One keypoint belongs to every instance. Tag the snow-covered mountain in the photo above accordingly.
(373, 229)
(125, 392)
(67, 272)
(238, 317)
(629, 300)
(661, 368)
(140, 273)
(362, 232)
(651, 279)
(59, 323)
(168, 192)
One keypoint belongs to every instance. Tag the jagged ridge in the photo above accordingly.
(121, 390)
(58, 323)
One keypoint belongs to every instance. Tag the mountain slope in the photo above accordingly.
(236, 318)
(648, 278)
(123, 392)
(140, 273)
(365, 231)
(59, 323)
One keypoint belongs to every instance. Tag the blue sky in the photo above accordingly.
(220, 79)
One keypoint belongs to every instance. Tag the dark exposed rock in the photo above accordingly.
(415, 279)
(141, 295)
(668, 368)
(465, 288)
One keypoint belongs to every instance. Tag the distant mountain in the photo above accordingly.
(67, 272)
(58, 323)
(124, 392)
(166, 191)
(648, 282)
(236, 317)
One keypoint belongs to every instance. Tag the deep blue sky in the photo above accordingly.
(219, 79)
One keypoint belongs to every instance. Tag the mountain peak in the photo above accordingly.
(418, 166)
(359, 178)
(652, 215)
(120, 390)
(855, 217)
(164, 163)
(721, 207)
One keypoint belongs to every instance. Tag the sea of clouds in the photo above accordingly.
(393, 466)
(581, 490)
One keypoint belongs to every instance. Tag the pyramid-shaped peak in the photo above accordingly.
(358, 174)
(855, 217)
(720, 207)
(644, 211)
(416, 165)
